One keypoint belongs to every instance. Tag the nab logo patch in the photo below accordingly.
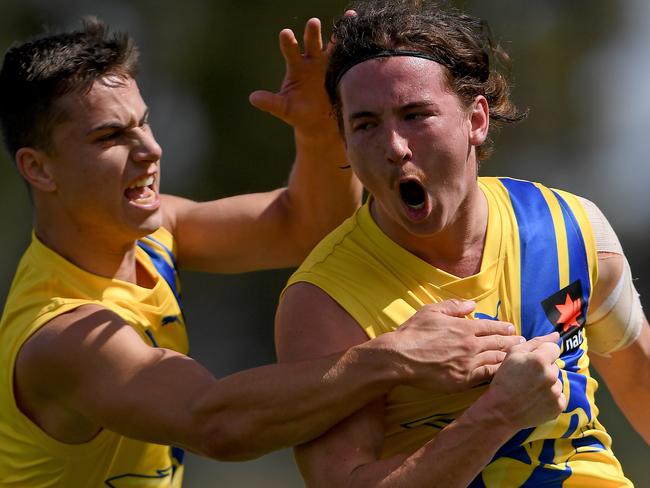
(564, 310)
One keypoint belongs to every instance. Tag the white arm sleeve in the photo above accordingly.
(618, 320)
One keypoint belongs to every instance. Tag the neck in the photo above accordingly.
(95, 252)
(457, 247)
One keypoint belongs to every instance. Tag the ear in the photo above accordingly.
(479, 118)
(34, 166)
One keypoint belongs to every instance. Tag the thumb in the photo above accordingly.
(268, 102)
(454, 308)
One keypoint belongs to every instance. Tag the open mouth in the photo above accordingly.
(142, 191)
(413, 194)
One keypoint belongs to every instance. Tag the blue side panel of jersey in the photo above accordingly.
(178, 457)
(165, 270)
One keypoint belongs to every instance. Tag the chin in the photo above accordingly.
(147, 226)
(427, 227)
(152, 225)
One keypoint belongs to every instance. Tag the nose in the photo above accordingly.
(146, 149)
(397, 148)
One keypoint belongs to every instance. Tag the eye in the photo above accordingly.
(109, 136)
(416, 115)
(363, 125)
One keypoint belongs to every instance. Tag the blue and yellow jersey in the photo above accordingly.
(45, 286)
(538, 269)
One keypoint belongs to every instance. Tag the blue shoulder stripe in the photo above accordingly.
(578, 270)
(540, 276)
(167, 271)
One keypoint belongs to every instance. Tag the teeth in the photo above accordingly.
(142, 182)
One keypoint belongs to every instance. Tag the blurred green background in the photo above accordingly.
(580, 67)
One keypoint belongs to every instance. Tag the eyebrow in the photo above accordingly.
(117, 125)
(409, 106)
(361, 114)
(419, 104)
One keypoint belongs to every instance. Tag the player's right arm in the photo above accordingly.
(87, 370)
(524, 392)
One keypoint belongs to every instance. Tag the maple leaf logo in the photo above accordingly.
(570, 310)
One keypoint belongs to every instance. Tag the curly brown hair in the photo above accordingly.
(459, 42)
(36, 73)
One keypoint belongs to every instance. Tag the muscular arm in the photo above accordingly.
(277, 228)
(87, 370)
(626, 372)
(348, 454)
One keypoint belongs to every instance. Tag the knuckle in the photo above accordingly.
(552, 347)
(550, 378)
(561, 403)
(558, 406)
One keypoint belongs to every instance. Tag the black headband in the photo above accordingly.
(384, 54)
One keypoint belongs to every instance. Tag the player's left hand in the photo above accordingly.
(301, 101)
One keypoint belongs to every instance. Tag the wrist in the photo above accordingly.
(489, 412)
(377, 358)
(322, 134)
(321, 146)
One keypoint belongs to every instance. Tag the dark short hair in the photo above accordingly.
(460, 43)
(37, 72)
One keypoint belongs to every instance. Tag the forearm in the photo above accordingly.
(322, 189)
(627, 375)
(452, 459)
(633, 401)
(256, 411)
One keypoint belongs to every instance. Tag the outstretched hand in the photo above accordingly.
(301, 101)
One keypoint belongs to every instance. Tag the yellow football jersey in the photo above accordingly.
(45, 286)
(537, 272)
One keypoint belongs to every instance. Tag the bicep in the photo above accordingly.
(101, 368)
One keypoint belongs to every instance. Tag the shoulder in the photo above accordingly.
(66, 335)
(66, 343)
(309, 323)
(62, 359)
